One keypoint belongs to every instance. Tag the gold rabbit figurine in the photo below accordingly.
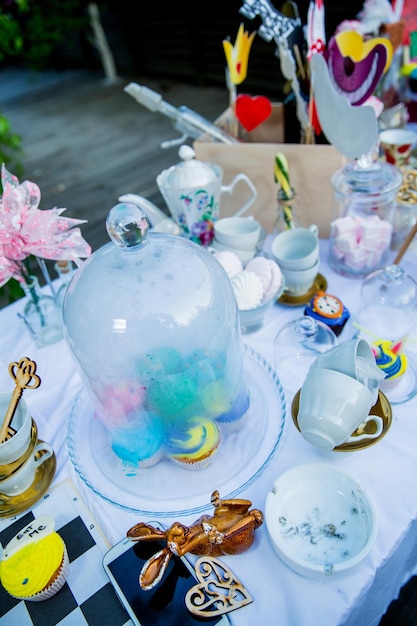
(230, 530)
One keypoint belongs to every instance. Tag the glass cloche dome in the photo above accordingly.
(152, 322)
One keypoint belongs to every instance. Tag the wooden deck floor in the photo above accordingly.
(87, 142)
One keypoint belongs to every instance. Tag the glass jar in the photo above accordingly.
(287, 216)
(65, 271)
(406, 211)
(42, 315)
(388, 304)
(364, 193)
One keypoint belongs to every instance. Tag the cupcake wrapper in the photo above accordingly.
(389, 383)
(56, 585)
(195, 465)
(232, 425)
(152, 460)
(131, 468)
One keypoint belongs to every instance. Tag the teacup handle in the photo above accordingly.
(379, 428)
(229, 189)
(314, 229)
(46, 451)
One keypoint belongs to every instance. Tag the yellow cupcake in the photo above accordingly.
(35, 564)
(193, 443)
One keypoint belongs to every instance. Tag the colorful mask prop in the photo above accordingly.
(237, 57)
(315, 33)
(288, 35)
(356, 66)
(252, 111)
(218, 590)
(275, 25)
(407, 11)
(353, 130)
(289, 71)
(230, 530)
(316, 44)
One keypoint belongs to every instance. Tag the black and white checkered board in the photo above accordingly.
(87, 598)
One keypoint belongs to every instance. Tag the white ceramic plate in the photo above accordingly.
(165, 488)
(320, 520)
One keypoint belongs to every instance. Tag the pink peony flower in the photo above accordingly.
(26, 230)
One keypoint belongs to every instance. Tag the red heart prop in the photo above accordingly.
(252, 111)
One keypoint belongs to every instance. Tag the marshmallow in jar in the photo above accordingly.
(364, 194)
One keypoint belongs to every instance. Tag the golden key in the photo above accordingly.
(23, 373)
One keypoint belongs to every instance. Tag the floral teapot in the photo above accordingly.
(192, 191)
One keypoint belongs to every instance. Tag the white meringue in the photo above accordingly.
(270, 274)
(248, 290)
(229, 261)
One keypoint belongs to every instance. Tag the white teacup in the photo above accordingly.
(22, 478)
(296, 248)
(244, 255)
(356, 359)
(396, 144)
(15, 446)
(240, 233)
(332, 406)
(298, 282)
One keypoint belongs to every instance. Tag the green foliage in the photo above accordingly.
(34, 31)
(11, 37)
(11, 149)
(11, 42)
(10, 292)
(48, 25)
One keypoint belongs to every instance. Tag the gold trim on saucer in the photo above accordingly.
(320, 284)
(7, 469)
(382, 407)
(44, 474)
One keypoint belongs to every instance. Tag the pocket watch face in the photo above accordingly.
(328, 305)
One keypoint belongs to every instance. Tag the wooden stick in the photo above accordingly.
(405, 244)
(300, 64)
(11, 410)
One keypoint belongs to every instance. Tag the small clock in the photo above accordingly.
(328, 309)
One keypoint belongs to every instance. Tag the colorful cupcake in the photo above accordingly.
(391, 360)
(232, 420)
(140, 443)
(35, 565)
(193, 444)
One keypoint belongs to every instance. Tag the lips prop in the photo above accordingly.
(252, 111)
(355, 65)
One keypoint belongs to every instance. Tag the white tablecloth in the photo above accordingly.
(387, 470)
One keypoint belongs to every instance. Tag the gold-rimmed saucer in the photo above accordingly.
(320, 284)
(44, 474)
(8, 468)
(382, 407)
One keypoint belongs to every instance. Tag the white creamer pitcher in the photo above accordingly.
(192, 191)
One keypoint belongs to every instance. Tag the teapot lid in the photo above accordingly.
(189, 172)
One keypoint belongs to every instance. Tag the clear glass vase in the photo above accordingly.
(287, 216)
(42, 315)
(65, 271)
